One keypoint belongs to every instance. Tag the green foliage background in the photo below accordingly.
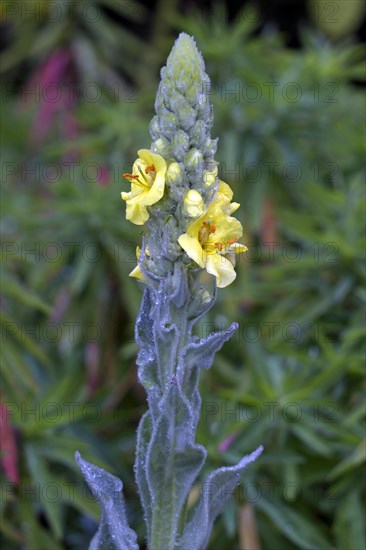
(290, 126)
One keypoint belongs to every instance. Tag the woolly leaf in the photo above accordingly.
(114, 532)
(215, 493)
(143, 331)
(143, 438)
(201, 352)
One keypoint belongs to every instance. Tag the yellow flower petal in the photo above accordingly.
(221, 268)
(135, 211)
(227, 228)
(231, 208)
(152, 158)
(225, 190)
(238, 248)
(193, 249)
(136, 272)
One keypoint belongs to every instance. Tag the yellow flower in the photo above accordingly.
(147, 185)
(136, 272)
(212, 237)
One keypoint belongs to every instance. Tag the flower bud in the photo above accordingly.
(193, 204)
(174, 173)
(209, 176)
(193, 159)
(161, 147)
(155, 128)
(180, 144)
(205, 297)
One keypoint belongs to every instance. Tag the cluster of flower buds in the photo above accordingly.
(175, 184)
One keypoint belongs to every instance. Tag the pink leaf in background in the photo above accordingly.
(92, 360)
(48, 88)
(9, 451)
(103, 178)
(227, 442)
(269, 231)
(61, 305)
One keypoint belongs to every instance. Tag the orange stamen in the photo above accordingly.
(212, 228)
(150, 168)
(129, 176)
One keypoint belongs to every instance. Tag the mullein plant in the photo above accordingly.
(186, 212)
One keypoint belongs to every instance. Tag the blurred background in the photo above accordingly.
(78, 87)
